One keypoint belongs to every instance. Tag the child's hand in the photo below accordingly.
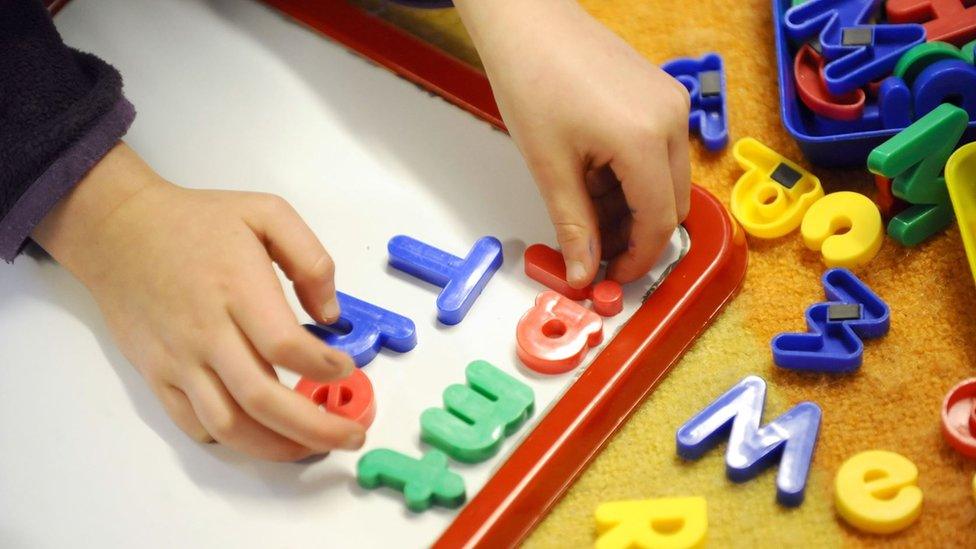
(604, 132)
(186, 284)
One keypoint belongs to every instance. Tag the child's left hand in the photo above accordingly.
(185, 281)
(604, 132)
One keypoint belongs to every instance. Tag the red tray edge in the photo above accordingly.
(541, 469)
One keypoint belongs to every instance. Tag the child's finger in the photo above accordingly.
(571, 211)
(680, 163)
(277, 407)
(303, 259)
(224, 419)
(179, 409)
(645, 175)
(264, 315)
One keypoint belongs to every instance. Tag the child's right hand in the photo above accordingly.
(603, 131)
(185, 281)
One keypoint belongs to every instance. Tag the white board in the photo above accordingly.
(232, 95)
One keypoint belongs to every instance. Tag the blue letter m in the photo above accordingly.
(735, 415)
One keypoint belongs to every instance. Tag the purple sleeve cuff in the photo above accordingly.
(61, 176)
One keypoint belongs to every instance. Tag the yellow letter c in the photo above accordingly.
(846, 227)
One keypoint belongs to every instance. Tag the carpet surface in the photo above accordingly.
(891, 403)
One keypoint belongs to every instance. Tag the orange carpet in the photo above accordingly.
(892, 403)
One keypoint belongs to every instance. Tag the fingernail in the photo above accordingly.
(354, 441)
(331, 310)
(575, 271)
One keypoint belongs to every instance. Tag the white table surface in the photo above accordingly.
(232, 95)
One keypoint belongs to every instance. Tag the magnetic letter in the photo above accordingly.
(423, 481)
(833, 343)
(812, 90)
(915, 159)
(736, 415)
(351, 397)
(858, 52)
(476, 417)
(547, 266)
(858, 221)
(770, 198)
(670, 523)
(555, 334)
(877, 492)
(952, 21)
(462, 280)
(959, 418)
(704, 78)
(363, 328)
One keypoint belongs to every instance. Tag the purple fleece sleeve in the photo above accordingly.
(61, 110)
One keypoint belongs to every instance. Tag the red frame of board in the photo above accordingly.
(399, 51)
(540, 470)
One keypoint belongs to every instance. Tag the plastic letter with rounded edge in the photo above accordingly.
(834, 346)
(363, 328)
(423, 481)
(812, 90)
(949, 81)
(704, 79)
(555, 334)
(889, 204)
(476, 417)
(666, 523)
(547, 266)
(872, 61)
(915, 60)
(461, 280)
(351, 397)
(856, 216)
(951, 21)
(915, 159)
(876, 491)
(764, 206)
(737, 415)
(851, 65)
(960, 178)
